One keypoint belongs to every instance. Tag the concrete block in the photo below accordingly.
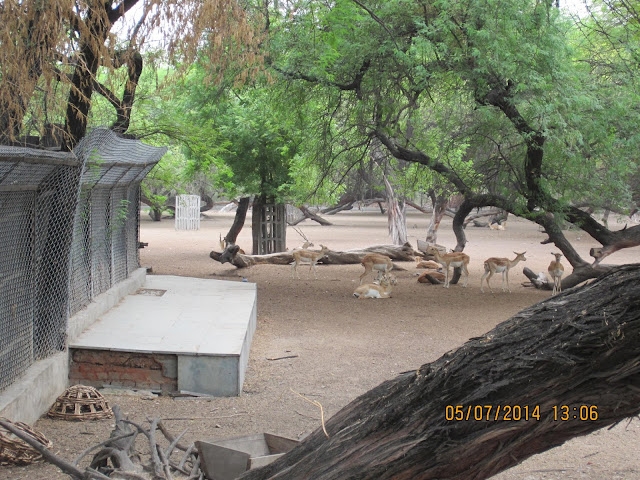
(33, 394)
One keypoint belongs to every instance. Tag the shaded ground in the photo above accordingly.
(342, 347)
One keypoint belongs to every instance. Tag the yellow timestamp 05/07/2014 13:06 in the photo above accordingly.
(516, 413)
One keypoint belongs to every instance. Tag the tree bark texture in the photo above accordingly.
(439, 207)
(238, 221)
(404, 253)
(579, 349)
(396, 214)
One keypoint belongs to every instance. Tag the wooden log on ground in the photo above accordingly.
(403, 253)
(480, 223)
(562, 368)
(541, 282)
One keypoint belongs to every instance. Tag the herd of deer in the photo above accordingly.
(381, 287)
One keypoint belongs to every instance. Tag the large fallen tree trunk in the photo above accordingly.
(561, 368)
(394, 252)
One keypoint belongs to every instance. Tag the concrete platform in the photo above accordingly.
(182, 333)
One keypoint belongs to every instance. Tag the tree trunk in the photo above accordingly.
(98, 23)
(238, 221)
(156, 214)
(208, 203)
(564, 367)
(397, 216)
(439, 207)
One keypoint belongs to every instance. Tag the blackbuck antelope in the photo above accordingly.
(500, 265)
(307, 256)
(307, 243)
(381, 263)
(374, 290)
(556, 270)
(454, 259)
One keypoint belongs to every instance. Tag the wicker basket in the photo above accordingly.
(80, 402)
(14, 451)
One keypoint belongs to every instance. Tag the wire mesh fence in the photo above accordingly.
(37, 192)
(68, 232)
(105, 242)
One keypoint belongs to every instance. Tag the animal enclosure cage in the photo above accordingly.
(187, 212)
(37, 204)
(69, 231)
(270, 220)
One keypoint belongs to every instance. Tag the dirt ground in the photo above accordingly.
(339, 347)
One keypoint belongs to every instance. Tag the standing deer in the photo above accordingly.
(307, 256)
(373, 290)
(455, 259)
(307, 243)
(556, 270)
(500, 265)
(379, 262)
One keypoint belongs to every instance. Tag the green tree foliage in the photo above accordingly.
(491, 95)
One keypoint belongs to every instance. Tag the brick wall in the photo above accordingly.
(145, 371)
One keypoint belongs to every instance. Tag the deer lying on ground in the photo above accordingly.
(454, 259)
(381, 263)
(556, 270)
(307, 256)
(500, 265)
(374, 290)
(498, 226)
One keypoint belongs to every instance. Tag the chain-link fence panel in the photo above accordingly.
(113, 170)
(80, 285)
(119, 212)
(68, 232)
(37, 204)
(132, 228)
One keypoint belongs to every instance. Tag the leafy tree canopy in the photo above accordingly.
(490, 95)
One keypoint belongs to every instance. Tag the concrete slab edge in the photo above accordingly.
(32, 395)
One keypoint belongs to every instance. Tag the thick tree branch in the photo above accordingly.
(415, 156)
(354, 85)
(578, 349)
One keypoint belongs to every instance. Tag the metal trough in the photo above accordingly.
(228, 459)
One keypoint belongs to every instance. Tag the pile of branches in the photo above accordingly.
(118, 457)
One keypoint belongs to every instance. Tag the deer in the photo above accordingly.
(374, 290)
(454, 259)
(379, 262)
(307, 243)
(556, 270)
(500, 265)
(307, 256)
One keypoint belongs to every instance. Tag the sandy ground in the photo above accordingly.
(340, 347)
